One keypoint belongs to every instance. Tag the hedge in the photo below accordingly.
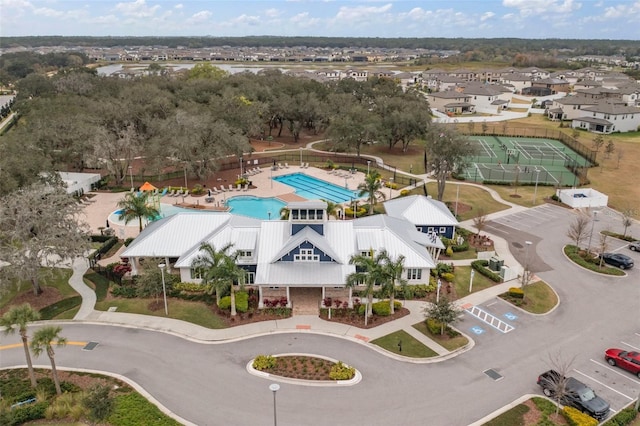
(24, 414)
(577, 418)
(242, 302)
(573, 253)
(481, 266)
(623, 417)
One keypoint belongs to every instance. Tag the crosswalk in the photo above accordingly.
(486, 317)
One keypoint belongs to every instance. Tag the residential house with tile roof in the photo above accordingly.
(608, 117)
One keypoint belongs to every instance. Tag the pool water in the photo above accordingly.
(259, 208)
(166, 210)
(316, 189)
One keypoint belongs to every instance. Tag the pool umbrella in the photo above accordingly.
(147, 187)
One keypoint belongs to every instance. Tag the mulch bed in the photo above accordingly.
(49, 296)
(301, 367)
(358, 321)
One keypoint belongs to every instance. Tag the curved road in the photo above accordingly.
(207, 384)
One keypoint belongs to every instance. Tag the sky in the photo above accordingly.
(578, 19)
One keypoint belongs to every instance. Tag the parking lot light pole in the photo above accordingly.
(390, 185)
(300, 156)
(131, 176)
(164, 289)
(525, 273)
(535, 191)
(368, 165)
(595, 218)
(274, 387)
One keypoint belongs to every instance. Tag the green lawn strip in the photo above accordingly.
(477, 198)
(99, 283)
(540, 298)
(69, 314)
(463, 255)
(462, 277)
(133, 409)
(410, 346)
(449, 343)
(572, 253)
(513, 417)
(525, 192)
(194, 312)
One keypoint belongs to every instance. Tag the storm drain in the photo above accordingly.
(493, 374)
(90, 346)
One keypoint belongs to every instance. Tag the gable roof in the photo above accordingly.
(421, 211)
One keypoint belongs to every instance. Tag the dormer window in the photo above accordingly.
(306, 255)
(245, 254)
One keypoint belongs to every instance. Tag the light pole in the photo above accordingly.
(274, 387)
(368, 164)
(300, 156)
(595, 218)
(131, 176)
(438, 290)
(525, 273)
(390, 185)
(185, 177)
(241, 171)
(164, 289)
(455, 213)
(535, 191)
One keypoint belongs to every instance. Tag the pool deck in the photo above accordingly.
(102, 204)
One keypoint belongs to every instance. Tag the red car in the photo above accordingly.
(629, 361)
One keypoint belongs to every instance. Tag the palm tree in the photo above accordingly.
(371, 188)
(42, 340)
(136, 206)
(284, 213)
(332, 208)
(17, 318)
(221, 270)
(393, 270)
(369, 273)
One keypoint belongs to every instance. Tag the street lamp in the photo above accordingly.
(368, 164)
(185, 177)
(455, 213)
(300, 156)
(274, 387)
(525, 273)
(535, 191)
(241, 172)
(131, 176)
(390, 185)
(595, 219)
(164, 289)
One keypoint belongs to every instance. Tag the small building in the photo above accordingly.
(582, 197)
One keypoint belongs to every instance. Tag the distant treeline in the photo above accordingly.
(628, 48)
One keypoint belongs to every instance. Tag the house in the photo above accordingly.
(487, 98)
(428, 215)
(451, 102)
(305, 251)
(556, 85)
(569, 107)
(517, 80)
(608, 117)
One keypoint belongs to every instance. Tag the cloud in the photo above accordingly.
(272, 13)
(361, 13)
(542, 7)
(179, 6)
(246, 20)
(487, 15)
(137, 9)
(48, 12)
(622, 11)
(200, 17)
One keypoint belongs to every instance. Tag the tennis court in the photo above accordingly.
(525, 160)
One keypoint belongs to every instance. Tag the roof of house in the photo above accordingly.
(421, 211)
(594, 120)
(612, 108)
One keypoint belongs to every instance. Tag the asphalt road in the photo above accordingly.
(208, 384)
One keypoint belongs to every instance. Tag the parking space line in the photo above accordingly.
(602, 384)
(631, 346)
(614, 370)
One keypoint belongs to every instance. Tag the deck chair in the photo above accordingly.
(185, 193)
(306, 165)
(286, 165)
(280, 166)
(239, 187)
(230, 189)
(245, 187)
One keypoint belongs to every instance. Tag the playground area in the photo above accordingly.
(526, 161)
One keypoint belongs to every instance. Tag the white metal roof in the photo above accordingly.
(421, 210)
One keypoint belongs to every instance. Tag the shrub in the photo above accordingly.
(516, 292)
(577, 418)
(190, 287)
(340, 371)
(264, 362)
(574, 253)
(197, 189)
(404, 192)
(126, 291)
(382, 308)
(449, 251)
(99, 402)
(242, 302)
(134, 409)
(24, 414)
(623, 417)
(433, 326)
(128, 241)
(448, 276)
(481, 266)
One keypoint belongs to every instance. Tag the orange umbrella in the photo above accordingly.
(147, 187)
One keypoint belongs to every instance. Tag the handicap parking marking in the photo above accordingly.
(477, 330)
(510, 316)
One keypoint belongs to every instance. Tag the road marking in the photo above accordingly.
(511, 316)
(631, 346)
(19, 345)
(602, 384)
(493, 321)
(477, 330)
(615, 370)
(491, 304)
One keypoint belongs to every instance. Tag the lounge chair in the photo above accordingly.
(164, 192)
(306, 165)
(185, 193)
(214, 190)
(178, 193)
(239, 187)
(230, 188)
(170, 194)
(280, 166)
(286, 165)
(245, 187)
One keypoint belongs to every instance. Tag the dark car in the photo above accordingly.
(576, 394)
(634, 246)
(629, 361)
(622, 261)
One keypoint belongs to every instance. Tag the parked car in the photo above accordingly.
(622, 261)
(576, 394)
(635, 246)
(629, 361)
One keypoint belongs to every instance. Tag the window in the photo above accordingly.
(306, 255)
(431, 229)
(196, 273)
(250, 277)
(414, 274)
(443, 229)
(419, 228)
(366, 253)
(245, 253)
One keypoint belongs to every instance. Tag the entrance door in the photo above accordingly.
(305, 300)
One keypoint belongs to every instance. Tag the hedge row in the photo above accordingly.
(573, 253)
(242, 302)
(481, 266)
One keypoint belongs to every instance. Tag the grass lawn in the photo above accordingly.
(410, 346)
(461, 255)
(477, 198)
(539, 298)
(449, 343)
(67, 315)
(58, 279)
(463, 276)
(194, 312)
(525, 194)
(513, 417)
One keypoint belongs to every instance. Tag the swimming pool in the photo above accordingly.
(316, 189)
(260, 208)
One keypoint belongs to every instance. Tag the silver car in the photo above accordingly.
(635, 246)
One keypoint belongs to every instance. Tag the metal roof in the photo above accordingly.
(421, 211)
